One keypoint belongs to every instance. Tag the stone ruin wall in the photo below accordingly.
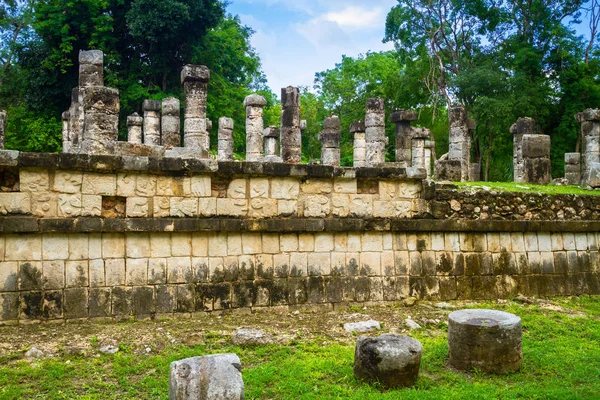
(141, 237)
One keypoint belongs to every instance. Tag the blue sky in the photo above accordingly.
(297, 38)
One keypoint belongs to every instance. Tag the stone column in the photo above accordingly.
(590, 138)
(134, 128)
(291, 135)
(170, 123)
(75, 118)
(254, 126)
(271, 137)
(66, 138)
(402, 119)
(536, 159)
(460, 140)
(195, 86)
(523, 126)
(101, 124)
(151, 122)
(429, 145)
(225, 139)
(330, 141)
(91, 68)
(3, 121)
(419, 136)
(375, 132)
(360, 144)
(573, 168)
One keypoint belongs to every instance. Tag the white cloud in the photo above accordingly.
(353, 17)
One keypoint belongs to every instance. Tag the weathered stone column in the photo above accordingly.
(254, 126)
(101, 125)
(4, 120)
(360, 143)
(523, 126)
(75, 118)
(402, 119)
(151, 110)
(375, 132)
(330, 141)
(291, 134)
(590, 137)
(225, 139)
(91, 68)
(475, 172)
(573, 168)
(429, 145)
(66, 138)
(195, 85)
(271, 138)
(536, 159)
(419, 136)
(460, 140)
(170, 123)
(134, 128)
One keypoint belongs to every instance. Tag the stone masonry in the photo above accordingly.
(456, 164)
(170, 123)
(194, 79)
(573, 168)
(291, 135)
(225, 139)
(151, 122)
(375, 132)
(254, 127)
(330, 141)
(135, 125)
(360, 144)
(523, 126)
(590, 136)
(536, 159)
(271, 139)
(404, 133)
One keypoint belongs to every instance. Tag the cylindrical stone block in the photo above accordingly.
(66, 139)
(134, 128)
(486, 340)
(360, 150)
(418, 153)
(390, 360)
(225, 139)
(170, 123)
(402, 119)
(91, 65)
(291, 134)
(194, 79)
(101, 118)
(151, 110)
(573, 158)
(254, 126)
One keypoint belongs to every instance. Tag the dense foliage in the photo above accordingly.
(501, 60)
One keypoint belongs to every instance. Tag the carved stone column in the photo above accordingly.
(330, 141)
(195, 80)
(151, 110)
(360, 144)
(291, 135)
(523, 126)
(402, 119)
(254, 126)
(375, 132)
(225, 139)
(134, 128)
(170, 123)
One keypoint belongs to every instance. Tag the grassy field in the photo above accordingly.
(561, 348)
(526, 188)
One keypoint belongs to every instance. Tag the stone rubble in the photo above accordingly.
(363, 326)
(250, 337)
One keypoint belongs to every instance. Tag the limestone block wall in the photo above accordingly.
(139, 237)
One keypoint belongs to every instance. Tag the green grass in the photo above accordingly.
(561, 361)
(526, 188)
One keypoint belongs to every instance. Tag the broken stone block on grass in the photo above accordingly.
(211, 377)
(390, 360)
(250, 337)
(363, 326)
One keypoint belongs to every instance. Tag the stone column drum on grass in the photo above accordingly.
(225, 139)
(151, 110)
(291, 134)
(170, 123)
(536, 159)
(215, 377)
(254, 126)
(573, 168)
(523, 126)
(392, 360)
(134, 128)
(330, 141)
(91, 68)
(375, 132)
(486, 340)
(402, 119)
(271, 138)
(195, 86)
(357, 128)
